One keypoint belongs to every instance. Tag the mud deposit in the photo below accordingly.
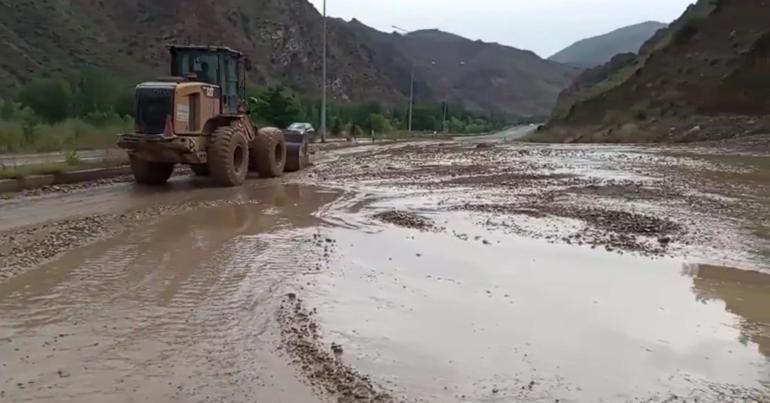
(406, 219)
(323, 366)
(419, 272)
(570, 274)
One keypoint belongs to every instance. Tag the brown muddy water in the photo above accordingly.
(438, 272)
(468, 315)
(180, 310)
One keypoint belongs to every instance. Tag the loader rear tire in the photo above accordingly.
(150, 173)
(269, 153)
(297, 157)
(228, 156)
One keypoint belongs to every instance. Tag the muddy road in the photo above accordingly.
(417, 272)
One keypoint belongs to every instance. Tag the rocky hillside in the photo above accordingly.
(706, 76)
(478, 75)
(128, 37)
(598, 50)
(40, 38)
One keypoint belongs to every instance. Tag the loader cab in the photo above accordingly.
(220, 66)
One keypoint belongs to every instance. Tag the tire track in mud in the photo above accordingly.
(150, 313)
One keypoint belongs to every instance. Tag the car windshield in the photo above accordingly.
(297, 126)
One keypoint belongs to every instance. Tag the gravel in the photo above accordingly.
(406, 219)
(24, 248)
(321, 363)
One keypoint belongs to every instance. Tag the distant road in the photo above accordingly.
(54, 157)
(510, 134)
(513, 133)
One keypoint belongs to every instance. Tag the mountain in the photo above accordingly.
(703, 77)
(42, 38)
(129, 38)
(475, 74)
(600, 49)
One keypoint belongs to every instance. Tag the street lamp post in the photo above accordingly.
(445, 105)
(445, 124)
(323, 91)
(411, 100)
(411, 85)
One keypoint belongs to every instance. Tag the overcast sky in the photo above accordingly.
(544, 26)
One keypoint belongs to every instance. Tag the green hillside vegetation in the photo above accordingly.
(89, 109)
(85, 111)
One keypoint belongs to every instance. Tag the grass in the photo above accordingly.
(54, 168)
(71, 134)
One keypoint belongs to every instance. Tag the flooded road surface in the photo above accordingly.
(550, 273)
(180, 310)
(417, 272)
(494, 317)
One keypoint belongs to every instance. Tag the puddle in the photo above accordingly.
(502, 318)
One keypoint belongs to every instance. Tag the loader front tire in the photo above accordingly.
(228, 156)
(150, 173)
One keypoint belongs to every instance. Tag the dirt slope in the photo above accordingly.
(706, 76)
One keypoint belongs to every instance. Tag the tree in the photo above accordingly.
(456, 125)
(94, 92)
(379, 123)
(51, 99)
(275, 108)
(355, 130)
(124, 104)
(336, 126)
(7, 110)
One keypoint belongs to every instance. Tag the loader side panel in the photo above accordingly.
(195, 105)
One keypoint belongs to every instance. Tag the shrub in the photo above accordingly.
(11, 136)
(380, 123)
(71, 134)
(275, 108)
(72, 158)
(51, 99)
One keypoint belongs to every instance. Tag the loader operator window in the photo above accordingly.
(205, 67)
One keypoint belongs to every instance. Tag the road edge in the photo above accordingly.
(62, 178)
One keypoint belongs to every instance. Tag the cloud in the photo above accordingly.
(544, 26)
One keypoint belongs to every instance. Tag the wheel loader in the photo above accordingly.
(199, 117)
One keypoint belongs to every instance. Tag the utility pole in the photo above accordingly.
(411, 101)
(323, 92)
(445, 123)
(411, 84)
